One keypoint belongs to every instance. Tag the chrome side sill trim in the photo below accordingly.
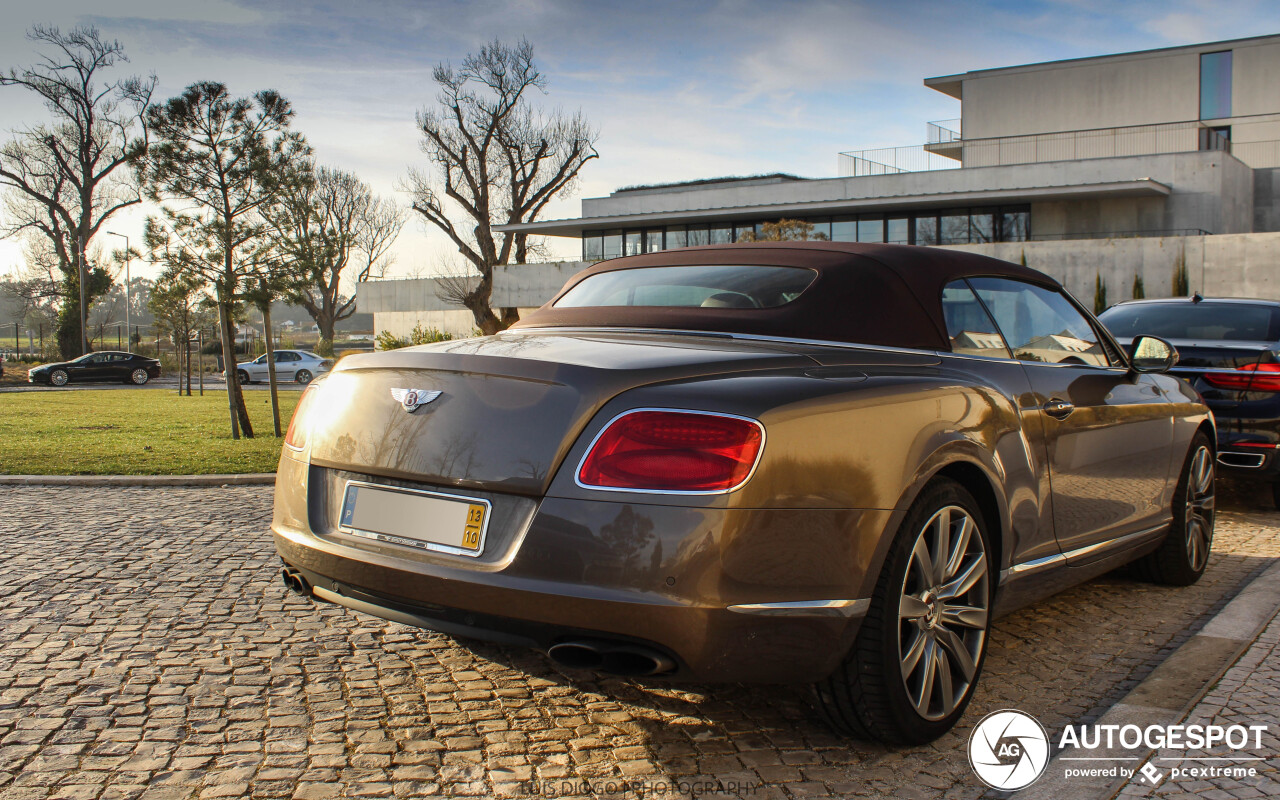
(1035, 565)
(807, 608)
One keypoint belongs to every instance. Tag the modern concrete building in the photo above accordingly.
(1056, 162)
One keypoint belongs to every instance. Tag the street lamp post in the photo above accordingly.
(128, 298)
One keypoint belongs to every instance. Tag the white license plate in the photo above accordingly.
(428, 520)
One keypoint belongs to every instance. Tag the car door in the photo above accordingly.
(87, 369)
(118, 366)
(257, 369)
(287, 363)
(1108, 432)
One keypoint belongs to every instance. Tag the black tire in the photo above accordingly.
(867, 696)
(139, 377)
(59, 377)
(1275, 494)
(1184, 554)
(243, 377)
(303, 377)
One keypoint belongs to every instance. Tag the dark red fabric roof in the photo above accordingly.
(864, 293)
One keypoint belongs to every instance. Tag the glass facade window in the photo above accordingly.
(950, 226)
(1015, 225)
(871, 230)
(612, 244)
(953, 229)
(926, 230)
(982, 227)
(1215, 85)
(844, 229)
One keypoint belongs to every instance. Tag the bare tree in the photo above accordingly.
(178, 303)
(784, 230)
(496, 160)
(64, 178)
(332, 231)
(215, 163)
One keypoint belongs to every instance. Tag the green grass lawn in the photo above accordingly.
(134, 432)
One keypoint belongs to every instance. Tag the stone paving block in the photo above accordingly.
(148, 651)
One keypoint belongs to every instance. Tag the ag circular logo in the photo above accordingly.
(1009, 750)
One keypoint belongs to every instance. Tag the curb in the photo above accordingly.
(243, 479)
(1173, 688)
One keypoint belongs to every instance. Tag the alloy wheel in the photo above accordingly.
(1198, 517)
(943, 612)
(58, 378)
(139, 376)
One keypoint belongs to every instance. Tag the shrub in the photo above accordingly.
(387, 340)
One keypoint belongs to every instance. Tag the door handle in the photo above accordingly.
(1058, 409)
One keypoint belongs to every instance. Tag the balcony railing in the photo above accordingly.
(942, 131)
(949, 153)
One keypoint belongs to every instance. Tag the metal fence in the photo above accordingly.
(1176, 137)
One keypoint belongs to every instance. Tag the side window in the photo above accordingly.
(969, 327)
(1040, 324)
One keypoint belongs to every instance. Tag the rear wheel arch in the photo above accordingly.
(979, 484)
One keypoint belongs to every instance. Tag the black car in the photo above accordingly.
(104, 366)
(1229, 351)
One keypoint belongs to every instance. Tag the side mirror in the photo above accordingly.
(1152, 354)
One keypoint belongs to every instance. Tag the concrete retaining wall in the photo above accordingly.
(1231, 265)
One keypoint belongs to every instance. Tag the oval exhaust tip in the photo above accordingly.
(576, 655)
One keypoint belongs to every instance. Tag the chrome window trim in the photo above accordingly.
(577, 473)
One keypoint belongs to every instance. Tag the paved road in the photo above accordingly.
(147, 650)
(210, 385)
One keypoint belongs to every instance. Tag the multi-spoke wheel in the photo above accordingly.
(1182, 557)
(919, 652)
(139, 376)
(942, 617)
(59, 377)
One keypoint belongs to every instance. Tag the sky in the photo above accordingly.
(679, 90)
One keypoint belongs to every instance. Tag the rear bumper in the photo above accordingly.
(672, 596)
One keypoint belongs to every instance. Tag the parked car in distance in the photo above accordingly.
(814, 462)
(301, 366)
(108, 365)
(1229, 351)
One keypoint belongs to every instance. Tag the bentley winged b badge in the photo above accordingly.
(411, 399)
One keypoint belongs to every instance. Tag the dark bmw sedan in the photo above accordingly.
(1229, 351)
(779, 462)
(103, 366)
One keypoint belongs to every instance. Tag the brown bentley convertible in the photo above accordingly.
(779, 462)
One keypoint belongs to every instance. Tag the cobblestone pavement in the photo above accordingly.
(148, 650)
(1248, 694)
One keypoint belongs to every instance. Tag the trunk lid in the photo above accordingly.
(510, 406)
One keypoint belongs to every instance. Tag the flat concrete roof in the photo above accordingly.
(1143, 187)
(952, 85)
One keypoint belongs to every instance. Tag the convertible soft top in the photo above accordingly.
(864, 293)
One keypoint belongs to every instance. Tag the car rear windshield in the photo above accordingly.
(1204, 320)
(708, 286)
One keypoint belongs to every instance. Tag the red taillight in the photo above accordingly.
(673, 451)
(296, 436)
(1250, 377)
